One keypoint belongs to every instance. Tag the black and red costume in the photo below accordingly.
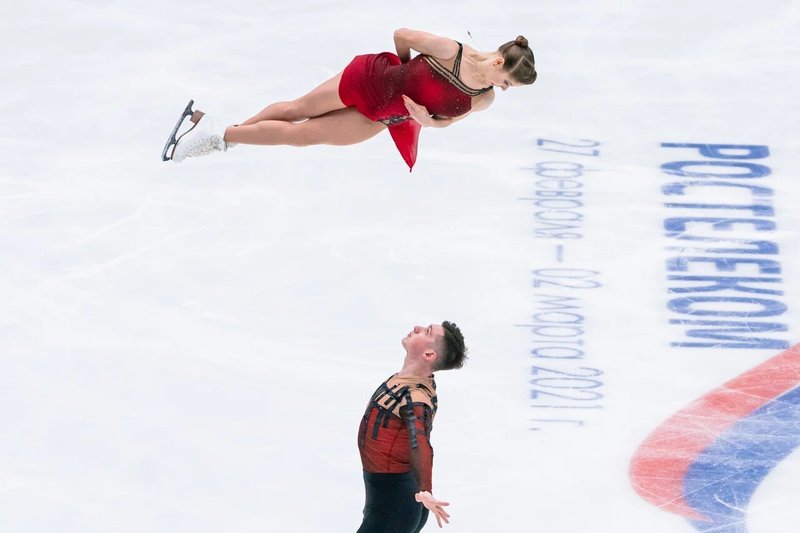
(396, 454)
(375, 84)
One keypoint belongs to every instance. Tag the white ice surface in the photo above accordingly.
(190, 347)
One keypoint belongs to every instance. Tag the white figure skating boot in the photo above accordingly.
(201, 139)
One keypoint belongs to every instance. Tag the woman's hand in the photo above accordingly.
(433, 505)
(420, 114)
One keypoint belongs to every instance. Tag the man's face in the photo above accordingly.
(421, 339)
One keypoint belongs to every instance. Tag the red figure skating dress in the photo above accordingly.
(375, 84)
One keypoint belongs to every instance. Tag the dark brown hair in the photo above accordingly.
(519, 60)
(453, 351)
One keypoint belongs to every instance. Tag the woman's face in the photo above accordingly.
(498, 76)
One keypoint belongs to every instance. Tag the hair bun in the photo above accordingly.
(521, 41)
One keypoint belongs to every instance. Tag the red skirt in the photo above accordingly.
(370, 83)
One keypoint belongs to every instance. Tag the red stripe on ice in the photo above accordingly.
(659, 465)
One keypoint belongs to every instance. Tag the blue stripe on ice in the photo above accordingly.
(721, 481)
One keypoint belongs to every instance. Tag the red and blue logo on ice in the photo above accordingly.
(706, 461)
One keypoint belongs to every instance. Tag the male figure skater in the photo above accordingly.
(394, 436)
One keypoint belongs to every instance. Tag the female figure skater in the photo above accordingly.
(442, 84)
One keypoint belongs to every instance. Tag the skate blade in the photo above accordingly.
(171, 140)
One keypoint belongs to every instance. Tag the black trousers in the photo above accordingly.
(390, 505)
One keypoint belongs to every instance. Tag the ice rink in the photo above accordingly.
(190, 348)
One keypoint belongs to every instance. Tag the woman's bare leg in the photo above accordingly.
(321, 100)
(340, 127)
